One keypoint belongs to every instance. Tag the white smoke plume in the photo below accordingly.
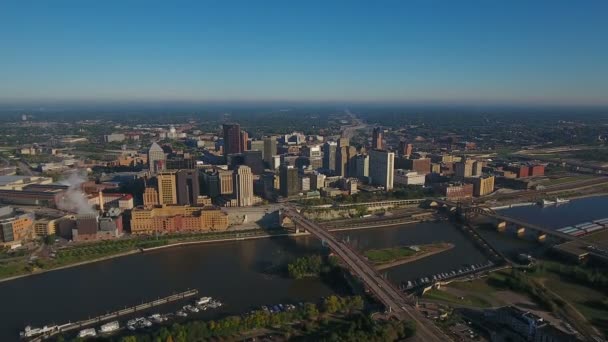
(74, 199)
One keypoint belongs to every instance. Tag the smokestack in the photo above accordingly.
(100, 201)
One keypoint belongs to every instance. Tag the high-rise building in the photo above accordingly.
(377, 137)
(188, 188)
(405, 149)
(150, 197)
(226, 186)
(270, 148)
(342, 161)
(343, 142)
(329, 155)
(167, 187)
(421, 165)
(381, 168)
(211, 184)
(257, 145)
(232, 139)
(289, 180)
(243, 186)
(468, 168)
(362, 166)
(244, 140)
(156, 158)
(483, 185)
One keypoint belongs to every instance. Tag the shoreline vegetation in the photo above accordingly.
(389, 257)
(308, 321)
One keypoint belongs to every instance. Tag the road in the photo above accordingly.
(393, 299)
(349, 131)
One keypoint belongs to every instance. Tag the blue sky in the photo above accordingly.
(488, 52)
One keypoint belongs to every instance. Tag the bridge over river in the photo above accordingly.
(394, 300)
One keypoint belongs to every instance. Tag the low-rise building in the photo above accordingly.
(169, 218)
(15, 227)
(406, 177)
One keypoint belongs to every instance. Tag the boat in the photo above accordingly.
(30, 331)
(545, 203)
(90, 332)
(203, 300)
(181, 313)
(561, 200)
(109, 327)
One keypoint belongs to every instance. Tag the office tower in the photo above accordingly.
(351, 170)
(211, 184)
(343, 142)
(422, 165)
(289, 180)
(270, 148)
(305, 183)
(226, 186)
(362, 166)
(465, 168)
(381, 168)
(244, 141)
(342, 161)
(156, 158)
(257, 145)
(243, 186)
(150, 197)
(254, 160)
(405, 149)
(377, 136)
(329, 155)
(188, 188)
(477, 167)
(167, 187)
(232, 139)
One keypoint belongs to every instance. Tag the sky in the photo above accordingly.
(479, 52)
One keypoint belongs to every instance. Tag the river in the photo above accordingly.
(554, 217)
(237, 273)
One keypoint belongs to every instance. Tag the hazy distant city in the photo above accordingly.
(315, 171)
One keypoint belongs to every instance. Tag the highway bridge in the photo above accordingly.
(394, 300)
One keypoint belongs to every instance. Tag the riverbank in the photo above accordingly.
(238, 236)
(391, 257)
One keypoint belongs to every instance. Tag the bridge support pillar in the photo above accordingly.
(541, 237)
(501, 226)
(521, 231)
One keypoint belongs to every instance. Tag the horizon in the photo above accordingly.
(544, 54)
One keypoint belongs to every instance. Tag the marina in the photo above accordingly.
(467, 270)
(47, 331)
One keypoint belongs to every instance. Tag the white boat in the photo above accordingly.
(545, 203)
(30, 332)
(181, 313)
(109, 327)
(203, 301)
(90, 332)
(561, 200)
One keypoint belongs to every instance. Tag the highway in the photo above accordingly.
(393, 299)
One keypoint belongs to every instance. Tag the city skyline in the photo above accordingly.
(520, 53)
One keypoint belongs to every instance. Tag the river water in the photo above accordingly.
(237, 273)
(554, 217)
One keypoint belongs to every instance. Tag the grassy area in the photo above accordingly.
(564, 293)
(568, 179)
(83, 252)
(381, 256)
(446, 297)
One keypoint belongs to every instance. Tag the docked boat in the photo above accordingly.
(203, 300)
(545, 203)
(109, 327)
(181, 313)
(561, 200)
(90, 332)
(30, 331)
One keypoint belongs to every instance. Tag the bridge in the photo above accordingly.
(394, 300)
